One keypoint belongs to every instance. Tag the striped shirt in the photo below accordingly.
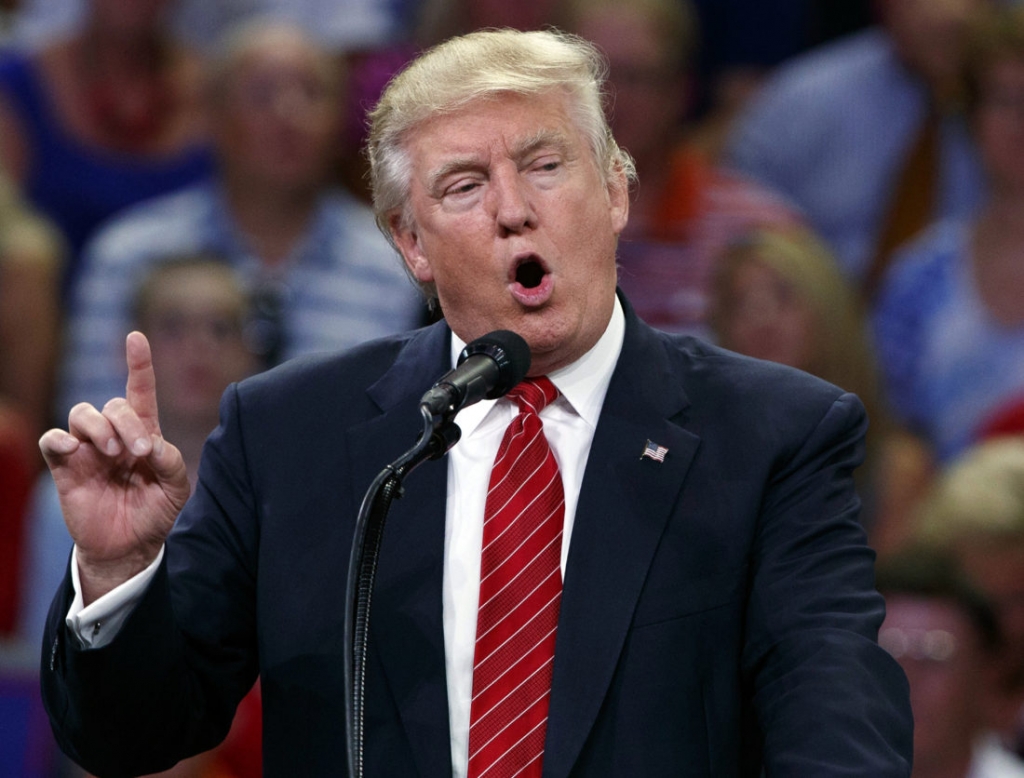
(949, 365)
(343, 284)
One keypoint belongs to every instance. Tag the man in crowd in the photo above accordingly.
(320, 274)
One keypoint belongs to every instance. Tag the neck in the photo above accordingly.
(999, 233)
(188, 437)
(1005, 210)
(273, 221)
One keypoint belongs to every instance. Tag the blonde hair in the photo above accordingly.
(477, 66)
(842, 354)
(979, 497)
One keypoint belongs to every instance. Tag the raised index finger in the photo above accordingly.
(141, 389)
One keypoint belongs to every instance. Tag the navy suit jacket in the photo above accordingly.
(718, 613)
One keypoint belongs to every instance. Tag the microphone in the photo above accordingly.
(488, 367)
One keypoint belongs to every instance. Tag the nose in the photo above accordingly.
(513, 210)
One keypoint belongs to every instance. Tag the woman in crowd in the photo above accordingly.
(949, 320)
(780, 295)
(101, 119)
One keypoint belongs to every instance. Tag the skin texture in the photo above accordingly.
(505, 184)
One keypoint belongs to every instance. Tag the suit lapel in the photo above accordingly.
(625, 502)
(406, 628)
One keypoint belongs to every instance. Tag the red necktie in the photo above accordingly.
(520, 591)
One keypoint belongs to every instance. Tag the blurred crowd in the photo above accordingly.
(837, 185)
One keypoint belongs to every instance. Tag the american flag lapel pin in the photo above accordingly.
(654, 451)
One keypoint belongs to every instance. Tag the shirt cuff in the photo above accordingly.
(97, 624)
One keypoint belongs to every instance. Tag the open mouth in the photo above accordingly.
(530, 273)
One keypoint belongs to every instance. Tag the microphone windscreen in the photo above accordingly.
(509, 351)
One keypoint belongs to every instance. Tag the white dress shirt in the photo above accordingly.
(569, 424)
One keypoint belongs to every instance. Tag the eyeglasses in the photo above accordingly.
(178, 326)
(923, 645)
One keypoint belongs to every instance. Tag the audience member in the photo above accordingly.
(945, 635)
(685, 210)
(439, 20)
(30, 257)
(337, 25)
(31, 253)
(17, 469)
(847, 130)
(743, 42)
(193, 310)
(322, 274)
(950, 319)
(94, 122)
(779, 294)
(976, 511)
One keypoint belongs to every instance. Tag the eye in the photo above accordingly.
(461, 187)
(547, 165)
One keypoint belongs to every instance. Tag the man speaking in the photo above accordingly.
(644, 560)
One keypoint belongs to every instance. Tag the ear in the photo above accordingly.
(407, 240)
(618, 200)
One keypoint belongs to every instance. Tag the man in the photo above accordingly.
(716, 605)
(945, 633)
(321, 276)
(975, 512)
(864, 133)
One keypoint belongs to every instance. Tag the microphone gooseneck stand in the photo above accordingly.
(487, 368)
(439, 434)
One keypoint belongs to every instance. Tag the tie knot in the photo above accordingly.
(533, 394)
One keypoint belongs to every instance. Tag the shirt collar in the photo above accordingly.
(583, 384)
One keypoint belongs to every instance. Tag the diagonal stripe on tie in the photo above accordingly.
(520, 594)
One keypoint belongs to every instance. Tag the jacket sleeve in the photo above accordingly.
(167, 686)
(828, 700)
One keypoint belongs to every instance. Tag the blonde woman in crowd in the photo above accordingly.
(976, 510)
(779, 295)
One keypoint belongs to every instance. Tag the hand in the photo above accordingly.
(121, 485)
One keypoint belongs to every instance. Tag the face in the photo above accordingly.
(999, 125)
(194, 321)
(642, 78)
(763, 316)
(511, 220)
(130, 16)
(935, 645)
(929, 35)
(998, 569)
(278, 122)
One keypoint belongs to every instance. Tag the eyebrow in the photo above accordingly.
(544, 138)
